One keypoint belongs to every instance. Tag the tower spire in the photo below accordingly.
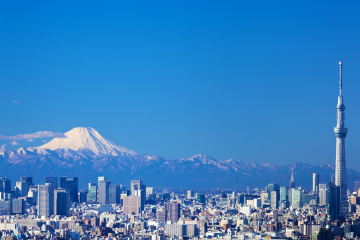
(340, 80)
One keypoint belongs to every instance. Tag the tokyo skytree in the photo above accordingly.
(340, 169)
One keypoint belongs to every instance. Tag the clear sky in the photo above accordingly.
(249, 80)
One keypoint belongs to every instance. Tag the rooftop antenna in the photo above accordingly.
(340, 81)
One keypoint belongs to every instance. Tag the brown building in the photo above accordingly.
(131, 204)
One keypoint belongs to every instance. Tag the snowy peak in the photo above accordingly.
(87, 140)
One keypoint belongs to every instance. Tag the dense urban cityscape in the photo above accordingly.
(227, 110)
(59, 210)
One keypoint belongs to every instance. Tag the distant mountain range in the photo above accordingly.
(86, 154)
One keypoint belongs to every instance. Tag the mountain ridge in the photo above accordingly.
(122, 165)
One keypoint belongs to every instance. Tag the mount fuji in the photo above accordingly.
(87, 140)
(84, 153)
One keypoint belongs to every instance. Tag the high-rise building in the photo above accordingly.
(53, 181)
(149, 191)
(131, 205)
(284, 195)
(333, 202)
(296, 196)
(114, 194)
(62, 202)
(316, 182)
(5, 185)
(174, 211)
(18, 206)
(201, 198)
(28, 180)
(189, 194)
(82, 195)
(274, 199)
(323, 197)
(340, 167)
(356, 186)
(292, 180)
(45, 200)
(162, 216)
(104, 192)
(70, 183)
(92, 192)
(138, 185)
(21, 189)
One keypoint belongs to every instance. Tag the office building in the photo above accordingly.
(53, 181)
(274, 200)
(131, 205)
(137, 185)
(5, 185)
(21, 189)
(162, 216)
(62, 202)
(201, 198)
(356, 186)
(316, 182)
(292, 180)
(174, 211)
(333, 203)
(45, 200)
(82, 195)
(28, 180)
(114, 194)
(92, 192)
(149, 191)
(18, 206)
(284, 195)
(70, 183)
(323, 197)
(189, 194)
(6, 205)
(340, 167)
(104, 191)
(296, 196)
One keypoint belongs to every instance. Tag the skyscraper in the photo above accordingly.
(70, 183)
(174, 211)
(292, 181)
(340, 167)
(104, 192)
(138, 185)
(92, 192)
(28, 180)
(46, 200)
(333, 202)
(61, 202)
(53, 181)
(114, 194)
(316, 182)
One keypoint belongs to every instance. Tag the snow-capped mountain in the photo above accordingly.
(87, 140)
(86, 154)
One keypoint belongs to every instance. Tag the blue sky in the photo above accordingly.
(255, 81)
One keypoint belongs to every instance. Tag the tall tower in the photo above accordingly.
(340, 133)
(292, 181)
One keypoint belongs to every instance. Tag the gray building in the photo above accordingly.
(174, 211)
(274, 200)
(18, 206)
(45, 200)
(62, 202)
(162, 216)
(104, 192)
